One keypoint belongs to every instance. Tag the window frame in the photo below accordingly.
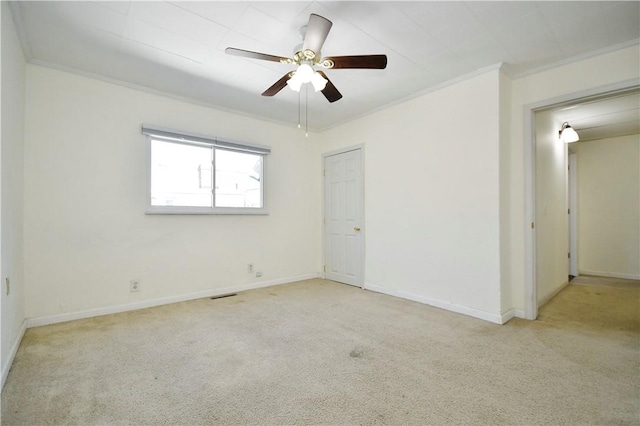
(192, 139)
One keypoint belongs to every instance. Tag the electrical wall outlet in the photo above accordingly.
(134, 285)
(250, 267)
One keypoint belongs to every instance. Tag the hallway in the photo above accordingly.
(597, 305)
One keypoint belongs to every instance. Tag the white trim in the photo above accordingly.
(531, 303)
(358, 147)
(448, 306)
(173, 210)
(115, 309)
(431, 89)
(512, 313)
(212, 210)
(18, 21)
(158, 92)
(610, 274)
(530, 287)
(508, 315)
(553, 294)
(342, 151)
(573, 215)
(519, 313)
(577, 58)
(6, 367)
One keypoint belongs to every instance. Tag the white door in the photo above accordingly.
(343, 213)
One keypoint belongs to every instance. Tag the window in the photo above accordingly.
(193, 174)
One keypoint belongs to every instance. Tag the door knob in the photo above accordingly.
(356, 228)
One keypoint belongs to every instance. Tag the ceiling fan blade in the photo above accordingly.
(330, 92)
(256, 55)
(317, 31)
(377, 62)
(277, 86)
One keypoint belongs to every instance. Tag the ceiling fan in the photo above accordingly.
(307, 56)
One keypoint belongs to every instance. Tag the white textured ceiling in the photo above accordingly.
(601, 118)
(178, 47)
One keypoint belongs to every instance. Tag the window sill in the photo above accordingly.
(206, 211)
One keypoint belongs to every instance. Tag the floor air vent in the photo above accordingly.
(223, 295)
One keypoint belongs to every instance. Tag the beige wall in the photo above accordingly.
(432, 213)
(11, 167)
(86, 234)
(609, 207)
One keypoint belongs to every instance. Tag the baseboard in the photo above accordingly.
(551, 295)
(107, 310)
(475, 313)
(519, 314)
(512, 313)
(609, 274)
(506, 316)
(6, 366)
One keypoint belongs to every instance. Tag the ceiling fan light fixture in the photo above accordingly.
(318, 81)
(304, 73)
(567, 134)
(294, 83)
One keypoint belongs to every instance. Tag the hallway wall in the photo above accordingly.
(609, 207)
(11, 225)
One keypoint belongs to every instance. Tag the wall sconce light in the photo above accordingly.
(567, 134)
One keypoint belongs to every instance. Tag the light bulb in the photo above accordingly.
(569, 135)
(318, 81)
(304, 73)
(294, 83)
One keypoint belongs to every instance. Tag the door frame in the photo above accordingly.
(530, 110)
(573, 214)
(357, 147)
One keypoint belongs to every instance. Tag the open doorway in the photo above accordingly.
(549, 244)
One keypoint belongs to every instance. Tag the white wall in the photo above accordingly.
(594, 72)
(506, 218)
(552, 225)
(445, 214)
(86, 234)
(432, 196)
(609, 207)
(11, 224)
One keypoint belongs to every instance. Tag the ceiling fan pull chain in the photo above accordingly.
(299, 110)
(306, 111)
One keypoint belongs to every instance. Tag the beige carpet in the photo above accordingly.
(318, 352)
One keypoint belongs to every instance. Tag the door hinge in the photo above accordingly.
(324, 172)
(569, 255)
(324, 268)
(532, 225)
(568, 211)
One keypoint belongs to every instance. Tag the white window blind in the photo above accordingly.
(161, 133)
